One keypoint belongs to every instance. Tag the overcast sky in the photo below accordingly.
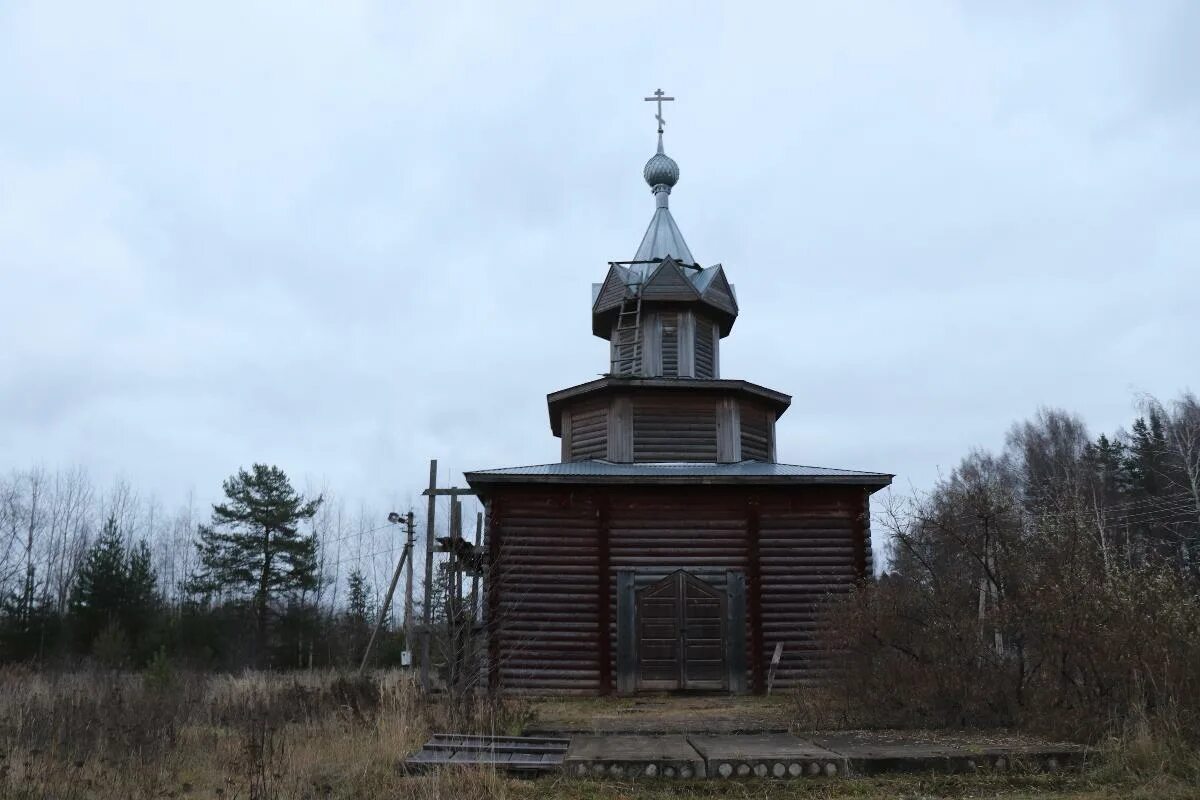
(349, 237)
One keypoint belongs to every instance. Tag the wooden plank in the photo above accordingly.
(626, 633)
(687, 345)
(620, 430)
(557, 741)
(729, 430)
(495, 747)
(736, 631)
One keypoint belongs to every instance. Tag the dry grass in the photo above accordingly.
(331, 736)
(310, 735)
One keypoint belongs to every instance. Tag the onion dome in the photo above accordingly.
(661, 170)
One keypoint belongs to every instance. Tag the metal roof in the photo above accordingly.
(609, 383)
(601, 471)
(663, 238)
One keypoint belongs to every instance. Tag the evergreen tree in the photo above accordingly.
(358, 604)
(359, 614)
(1147, 449)
(142, 603)
(98, 598)
(253, 547)
(115, 595)
(27, 621)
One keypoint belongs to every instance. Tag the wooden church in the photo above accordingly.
(669, 549)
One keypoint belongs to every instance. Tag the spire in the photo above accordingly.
(662, 238)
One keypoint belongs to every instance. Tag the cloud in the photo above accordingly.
(349, 238)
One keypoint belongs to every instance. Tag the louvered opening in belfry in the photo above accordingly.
(670, 345)
(706, 334)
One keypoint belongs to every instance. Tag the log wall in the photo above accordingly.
(667, 427)
(556, 553)
(757, 430)
(586, 435)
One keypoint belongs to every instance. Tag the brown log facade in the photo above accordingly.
(559, 551)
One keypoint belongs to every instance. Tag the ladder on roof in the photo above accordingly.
(627, 338)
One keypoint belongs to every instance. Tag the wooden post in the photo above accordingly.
(754, 589)
(427, 612)
(453, 589)
(476, 607)
(408, 588)
(603, 578)
(495, 531)
(455, 562)
(383, 611)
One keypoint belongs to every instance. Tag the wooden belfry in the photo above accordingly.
(668, 550)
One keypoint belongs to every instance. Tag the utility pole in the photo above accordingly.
(453, 589)
(427, 612)
(455, 562)
(408, 590)
(405, 556)
(450, 545)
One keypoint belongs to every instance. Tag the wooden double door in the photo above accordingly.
(681, 635)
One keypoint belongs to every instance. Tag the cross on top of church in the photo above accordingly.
(659, 99)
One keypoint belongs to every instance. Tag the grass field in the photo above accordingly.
(319, 735)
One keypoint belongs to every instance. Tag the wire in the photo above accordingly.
(353, 534)
(1156, 501)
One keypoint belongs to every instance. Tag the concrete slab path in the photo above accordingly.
(633, 756)
(874, 752)
(785, 756)
(774, 755)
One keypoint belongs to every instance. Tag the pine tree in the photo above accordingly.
(253, 547)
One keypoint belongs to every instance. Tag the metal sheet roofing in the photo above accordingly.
(679, 472)
(663, 239)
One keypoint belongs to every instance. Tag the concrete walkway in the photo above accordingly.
(783, 756)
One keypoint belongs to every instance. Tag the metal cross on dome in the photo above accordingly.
(658, 98)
